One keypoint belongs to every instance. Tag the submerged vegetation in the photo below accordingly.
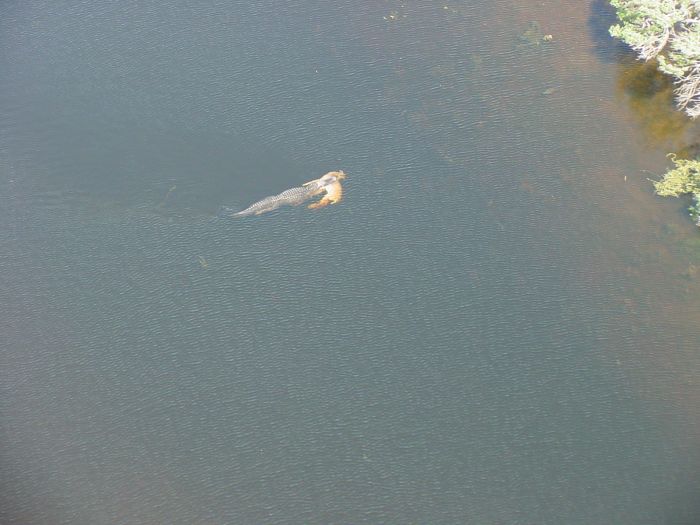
(649, 93)
(668, 31)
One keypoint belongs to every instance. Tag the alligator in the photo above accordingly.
(329, 183)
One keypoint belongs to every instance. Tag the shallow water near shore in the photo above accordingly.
(498, 324)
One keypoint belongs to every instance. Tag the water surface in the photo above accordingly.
(499, 324)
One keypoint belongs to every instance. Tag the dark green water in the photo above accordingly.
(498, 325)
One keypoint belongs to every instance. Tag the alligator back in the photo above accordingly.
(291, 197)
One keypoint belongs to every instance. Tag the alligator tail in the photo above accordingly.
(225, 211)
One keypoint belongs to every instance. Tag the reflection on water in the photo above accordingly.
(602, 16)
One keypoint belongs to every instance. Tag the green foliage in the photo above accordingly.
(647, 24)
(684, 178)
(668, 30)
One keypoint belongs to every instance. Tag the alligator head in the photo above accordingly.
(328, 178)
